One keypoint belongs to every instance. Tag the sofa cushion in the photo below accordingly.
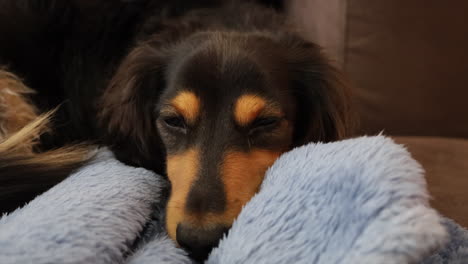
(446, 163)
(323, 22)
(407, 60)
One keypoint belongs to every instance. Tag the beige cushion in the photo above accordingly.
(322, 21)
(446, 164)
(408, 60)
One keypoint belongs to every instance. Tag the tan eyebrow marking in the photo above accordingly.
(248, 107)
(187, 104)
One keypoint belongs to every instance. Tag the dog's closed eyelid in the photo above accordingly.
(265, 125)
(265, 121)
(175, 122)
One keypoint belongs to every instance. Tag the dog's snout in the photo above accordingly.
(199, 241)
(202, 201)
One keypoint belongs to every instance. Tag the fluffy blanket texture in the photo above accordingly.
(361, 200)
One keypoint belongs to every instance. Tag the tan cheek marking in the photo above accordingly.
(242, 175)
(247, 108)
(182, 172)
(188, 105)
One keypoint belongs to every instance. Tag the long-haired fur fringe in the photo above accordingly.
(25, 172)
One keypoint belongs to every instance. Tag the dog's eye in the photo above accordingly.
(266, 122)
(175, 122)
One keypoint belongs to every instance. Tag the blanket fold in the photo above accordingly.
(91, 217)
(360, 200)
(357, 201)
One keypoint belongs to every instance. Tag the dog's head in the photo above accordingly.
(223, 107)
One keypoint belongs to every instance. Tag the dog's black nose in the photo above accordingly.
(199, 242)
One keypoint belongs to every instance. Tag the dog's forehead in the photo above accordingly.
(220, 77)
(210, 75)
(222, 80)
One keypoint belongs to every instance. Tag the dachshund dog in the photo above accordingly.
(209, 93)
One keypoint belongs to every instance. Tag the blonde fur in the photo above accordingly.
(16, 111)
(22, 143)
(26, 172)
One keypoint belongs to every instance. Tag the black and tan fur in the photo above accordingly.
(209, 93)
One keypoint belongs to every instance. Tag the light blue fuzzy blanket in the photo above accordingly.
(360, 201)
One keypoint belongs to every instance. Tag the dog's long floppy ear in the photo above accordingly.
(128, 107)
(323, 101)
